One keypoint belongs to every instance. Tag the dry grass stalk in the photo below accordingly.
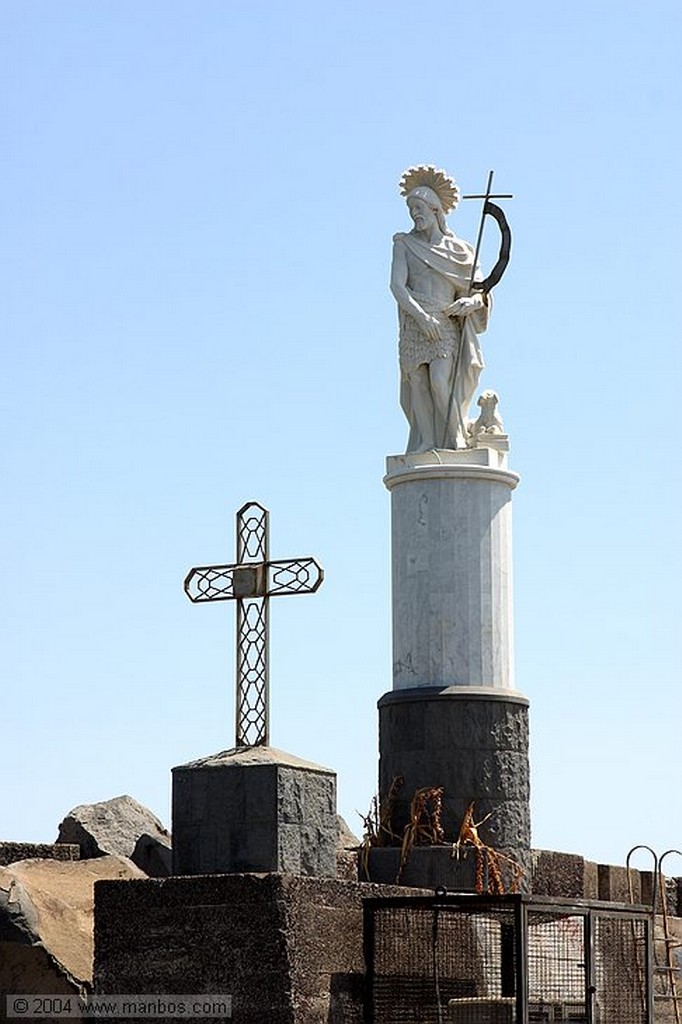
(425, 827)
(377, 823)
(487, 857)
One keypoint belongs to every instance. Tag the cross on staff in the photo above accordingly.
(488, 209)
(486, 197)
(251, 582)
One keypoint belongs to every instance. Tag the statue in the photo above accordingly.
(440, 315)
(489, 421)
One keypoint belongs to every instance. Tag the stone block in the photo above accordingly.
(254, 809)
(559, 874)
(289, 950)
(613, 884)
(646, 887)
(10, 853)
(590, 880)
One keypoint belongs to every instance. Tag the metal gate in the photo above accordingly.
(512, 959)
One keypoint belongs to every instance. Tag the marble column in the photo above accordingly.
(452, 569)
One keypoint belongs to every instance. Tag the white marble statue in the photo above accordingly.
(489, 420)
(440, 316)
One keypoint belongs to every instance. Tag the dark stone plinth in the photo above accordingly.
(475, 746)
(10, 853)
(289, 950)
(254, 809)
(429, 867)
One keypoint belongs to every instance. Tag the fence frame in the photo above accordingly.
(521, 906)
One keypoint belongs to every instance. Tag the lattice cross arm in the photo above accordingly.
(253, 579)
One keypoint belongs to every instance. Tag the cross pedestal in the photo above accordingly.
(253, 808)
(453, 718)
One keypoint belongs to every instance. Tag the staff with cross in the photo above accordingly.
(251, 582)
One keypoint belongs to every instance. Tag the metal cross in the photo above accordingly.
(251, 582)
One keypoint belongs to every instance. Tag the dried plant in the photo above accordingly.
(425, 827)
(377, 823)
(488, 860)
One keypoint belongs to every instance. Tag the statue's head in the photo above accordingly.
(435, 188)
(429, 197)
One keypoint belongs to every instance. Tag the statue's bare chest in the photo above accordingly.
(426, 281)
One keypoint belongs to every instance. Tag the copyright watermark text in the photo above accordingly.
(189, 1007)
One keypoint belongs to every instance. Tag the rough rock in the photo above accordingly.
(46, 922)
(346, 852)
(347, 840)
(121, 827)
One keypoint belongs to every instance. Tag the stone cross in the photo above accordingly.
(251, 582)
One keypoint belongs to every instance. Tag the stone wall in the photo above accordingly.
(10, 853)
(288, 949)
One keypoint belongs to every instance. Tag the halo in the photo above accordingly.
(442, 184)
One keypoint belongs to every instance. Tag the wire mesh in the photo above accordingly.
(556, 964)
(506, 960)
(621, 963)
(426, 959)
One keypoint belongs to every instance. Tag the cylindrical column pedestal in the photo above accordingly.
(475, 746)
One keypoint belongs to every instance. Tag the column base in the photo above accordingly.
(473, 744)
(430, 867)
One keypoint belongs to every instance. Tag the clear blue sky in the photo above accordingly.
(198, 202)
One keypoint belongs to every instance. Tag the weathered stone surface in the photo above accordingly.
(46, 922)
(475, 747)
(563, 874)
(613, 885)
(429, 867)
(290, 950)
(121, 827)
(12, 852)
(347, 840)
(347, 846)
(570, 876)
(153, 857)
(591, 880)
(257, 809)
(30, 970)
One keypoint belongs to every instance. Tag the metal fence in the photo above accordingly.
(514, 959)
